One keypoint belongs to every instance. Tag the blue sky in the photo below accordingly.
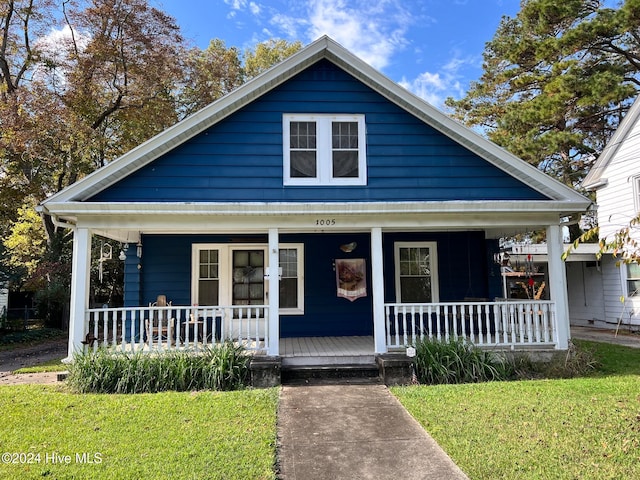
(432, 47)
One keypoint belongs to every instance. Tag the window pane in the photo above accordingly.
(303, 135)
(289, 293)
(208, 292)
(289, 262)
(633, 270)
(633, 287)
(415, 274)
(344, 135)
(345, 163)
(415, 289)
(303, 164)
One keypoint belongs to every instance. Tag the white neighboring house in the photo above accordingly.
(584, 279)
(615, 177)
(4, 301)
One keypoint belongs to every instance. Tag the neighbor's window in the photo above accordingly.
(416, 272)
(324, 150)
(633, 280)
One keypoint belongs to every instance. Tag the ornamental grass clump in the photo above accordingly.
(223, 367)
(457, 361)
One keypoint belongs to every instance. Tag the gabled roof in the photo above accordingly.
(323, 48)
(595, 178)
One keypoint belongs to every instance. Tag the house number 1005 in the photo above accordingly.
(325, 222)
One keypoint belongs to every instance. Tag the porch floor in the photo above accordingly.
(326, 346)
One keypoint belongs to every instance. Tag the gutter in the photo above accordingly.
(54, 218)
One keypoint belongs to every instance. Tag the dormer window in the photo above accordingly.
(324, 150)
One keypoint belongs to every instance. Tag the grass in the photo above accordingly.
(54, 365)
(188, 435)
(587, 427)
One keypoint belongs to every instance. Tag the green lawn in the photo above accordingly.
(54, 365)
(192, 435)
(586, 428)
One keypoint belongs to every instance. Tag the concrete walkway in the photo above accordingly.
(622, 337)
(354, 432)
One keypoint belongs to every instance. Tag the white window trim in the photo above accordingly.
(225, 253)
(432, 246)
(628, 295)
(636, 192)
(323, 150)
(299, 310)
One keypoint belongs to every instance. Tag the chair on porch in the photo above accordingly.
(160, 325)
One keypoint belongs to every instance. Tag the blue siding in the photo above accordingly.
(462, 264)
(240, 158)
(465, 270)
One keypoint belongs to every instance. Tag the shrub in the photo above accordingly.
(577, 361)
(457, 361)
(223, 367)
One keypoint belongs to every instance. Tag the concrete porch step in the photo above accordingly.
(334, 373)
(328, 360)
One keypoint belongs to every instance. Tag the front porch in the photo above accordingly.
(503, 325)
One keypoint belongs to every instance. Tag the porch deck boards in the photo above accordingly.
(326, 346)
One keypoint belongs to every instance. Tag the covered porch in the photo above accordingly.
(464, 241)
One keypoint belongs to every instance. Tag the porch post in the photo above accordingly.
(377, 287)
(273, 347)
(558, 284)
(80, 268)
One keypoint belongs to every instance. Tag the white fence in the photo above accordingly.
(176, 327)
(497, 324)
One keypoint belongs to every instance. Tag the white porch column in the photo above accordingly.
(273, 347)
(558, 284)
(80, 276)
(377, 287)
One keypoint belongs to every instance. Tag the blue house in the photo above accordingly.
(318, 200)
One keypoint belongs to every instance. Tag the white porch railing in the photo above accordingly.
(496, 324)
(176, 327)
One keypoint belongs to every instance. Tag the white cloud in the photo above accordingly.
(435, 87)
(54, 49)
(374, 30)
(255, 8)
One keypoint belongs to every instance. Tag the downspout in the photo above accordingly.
(54, 218)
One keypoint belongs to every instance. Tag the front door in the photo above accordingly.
(229, 275)
(248, 277)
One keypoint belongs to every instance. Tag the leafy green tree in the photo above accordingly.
(209, 74)
(557, 79)
(267, 54)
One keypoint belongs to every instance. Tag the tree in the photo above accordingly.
(267, 54)
(72, 100)
(210, 74)
(104, 86)
(557, 80)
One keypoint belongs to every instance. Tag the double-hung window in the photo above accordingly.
(633, 280)
(324, 150)
(416, 272)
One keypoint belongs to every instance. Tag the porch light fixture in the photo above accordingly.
(348, 247)
(139, 248)
(122, 256)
